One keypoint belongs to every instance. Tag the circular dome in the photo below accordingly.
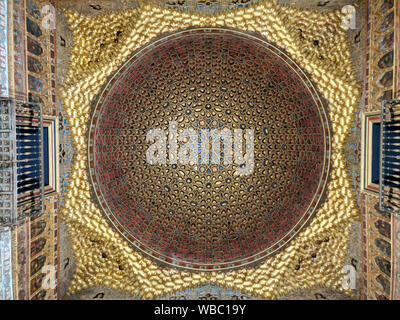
(204, 215)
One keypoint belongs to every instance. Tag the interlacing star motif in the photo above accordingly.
(96, 55)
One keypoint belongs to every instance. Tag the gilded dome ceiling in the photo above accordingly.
(203, 215)
(199, 149)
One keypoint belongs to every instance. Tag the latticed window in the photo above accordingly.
(24, 160)
(389, 178)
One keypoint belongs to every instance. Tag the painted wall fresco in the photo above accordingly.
(21, 258)
(19, 52)
(7, 200)
(43, 249)
(396, 257)
(6, 281)
(40, 65)
(379, 85)
(382, 33)
(378, 243)
(35, 248)
(4, 85)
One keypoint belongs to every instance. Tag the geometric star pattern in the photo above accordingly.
(315, 257)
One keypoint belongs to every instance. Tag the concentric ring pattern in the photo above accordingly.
(206, 217)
